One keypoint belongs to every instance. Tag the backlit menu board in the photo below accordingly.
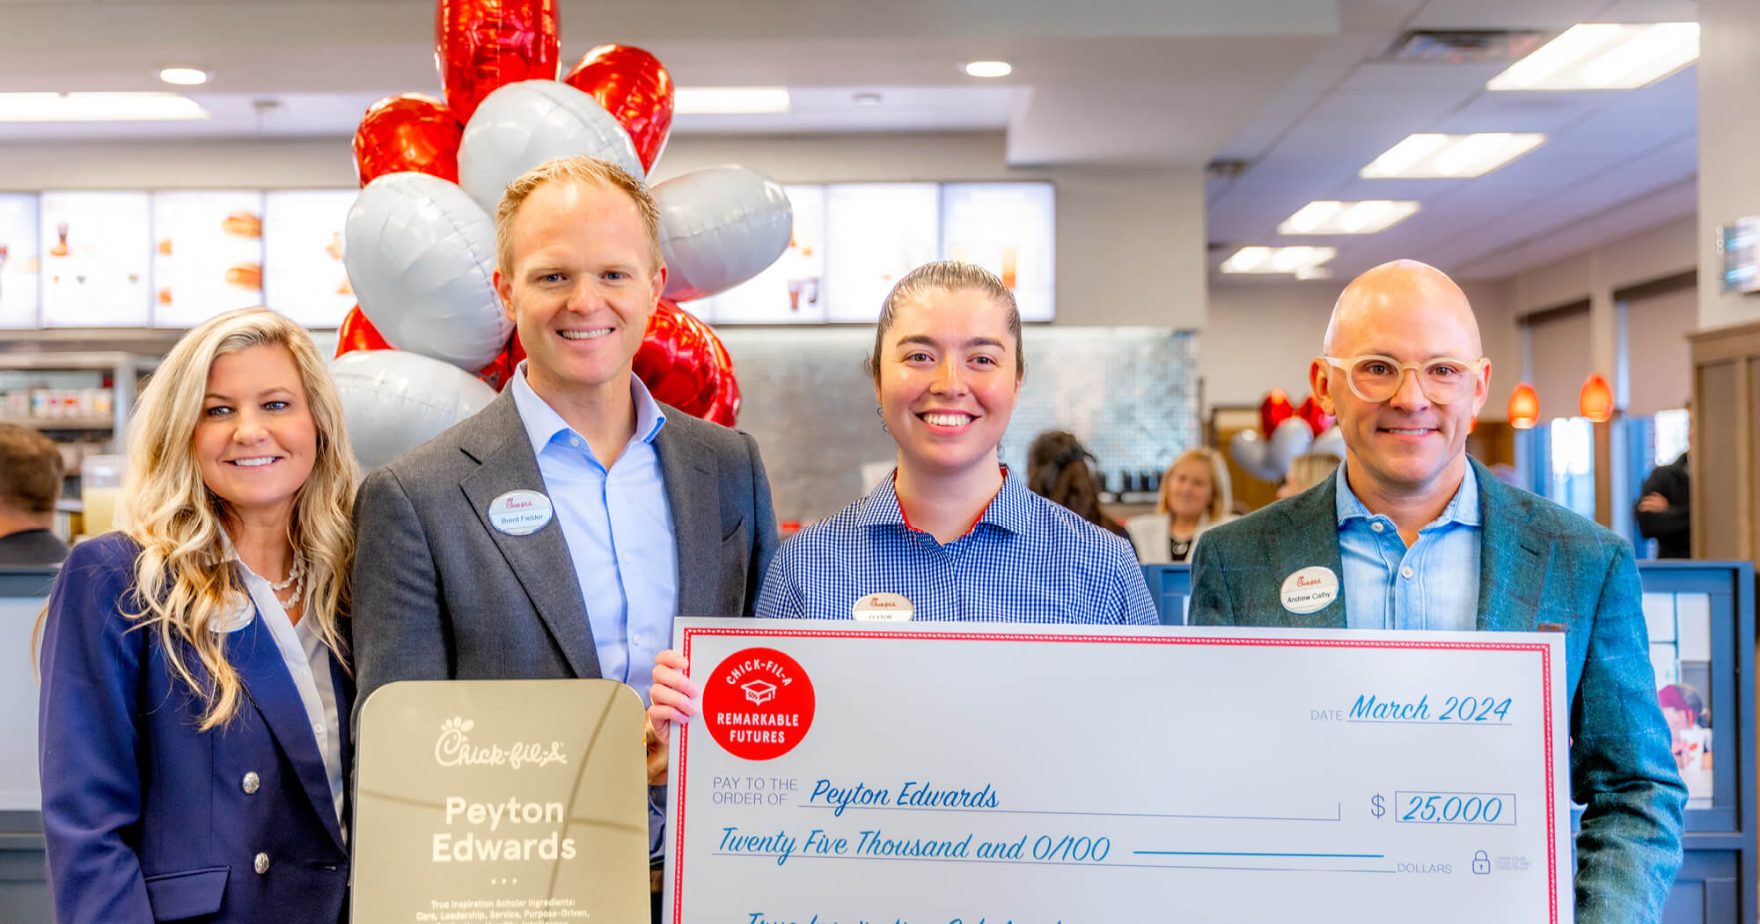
(1009, 229)
(207, 255)
(18, 260)
(789, 291)
(96, 262)
(303, 239)
(875, 233)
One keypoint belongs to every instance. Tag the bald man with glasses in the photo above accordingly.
(1419, 536)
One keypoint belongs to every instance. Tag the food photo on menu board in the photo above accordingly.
(18, 260)
(96, 264)
(789, 291)
(875, 233)
(303, 242)
(207, 255)
(1009, 229)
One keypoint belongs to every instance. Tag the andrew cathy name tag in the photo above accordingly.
(1309, 590)
(520, 513)
(883, 608)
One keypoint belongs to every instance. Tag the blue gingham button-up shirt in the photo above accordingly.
(1025, 560)
(1432, 585)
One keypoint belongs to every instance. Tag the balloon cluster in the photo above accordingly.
(430, 336)
(1287, 431)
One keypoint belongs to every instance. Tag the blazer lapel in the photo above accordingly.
(1309, 536)
(1513, 553)
(253, 653)
(695, 498)
(540, 561)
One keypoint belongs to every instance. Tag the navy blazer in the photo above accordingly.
(1539, 564)
(148, 819)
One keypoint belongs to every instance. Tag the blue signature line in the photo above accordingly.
(1423, 722)
(1231, 853)
(1073, 863)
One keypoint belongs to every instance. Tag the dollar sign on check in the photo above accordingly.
(1377, 805)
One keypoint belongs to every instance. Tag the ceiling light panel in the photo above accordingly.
(98, 107)
(1333, 217)
(184, 76)
(1302, 262)
(1604, 56)
(988, 69)
(1433, 156)
(730, 100)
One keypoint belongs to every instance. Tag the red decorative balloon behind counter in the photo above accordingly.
(634, 87)
(410, 131)
(481, 45)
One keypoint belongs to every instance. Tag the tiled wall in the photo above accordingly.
(1129, 393)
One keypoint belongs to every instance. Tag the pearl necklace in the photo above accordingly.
(292, 585)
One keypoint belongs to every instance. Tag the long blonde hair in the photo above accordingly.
(184, 585)
(1221, 491)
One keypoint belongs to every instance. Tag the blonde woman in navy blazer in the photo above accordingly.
(194, 692)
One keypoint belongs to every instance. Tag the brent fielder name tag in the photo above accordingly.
(931, 772)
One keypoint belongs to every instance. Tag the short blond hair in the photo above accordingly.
(576, 170)
(1221, 491)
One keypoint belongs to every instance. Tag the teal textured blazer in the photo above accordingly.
(1541, 566)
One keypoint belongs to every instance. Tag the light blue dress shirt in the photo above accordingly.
(1432, 585)
(617, 525)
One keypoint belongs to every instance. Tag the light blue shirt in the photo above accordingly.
(617, 525)
(1432, 585)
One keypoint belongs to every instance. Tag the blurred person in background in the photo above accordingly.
(1306, 471)
(194, 684)
(1665, 511)
(30, 484)
(1060, 469)
(1195, 495)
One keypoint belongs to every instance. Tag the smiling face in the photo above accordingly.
(255, 441)
(581, 285)
(1190, 488)
(1408, 445)
(947, 380)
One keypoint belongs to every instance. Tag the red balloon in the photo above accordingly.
(482, 45)
(1275, 409)
(408, 132)
(1318, 420)
(358, 333)
(685, 365)
(633, 86)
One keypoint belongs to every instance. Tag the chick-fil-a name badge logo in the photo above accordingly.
(758, 704)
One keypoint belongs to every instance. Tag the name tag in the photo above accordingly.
(520, 513)
(1310, 590)
(883, 608)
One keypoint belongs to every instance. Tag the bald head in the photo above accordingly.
(1394, 297)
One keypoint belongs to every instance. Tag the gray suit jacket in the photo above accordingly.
(1540, 564)
(440, 595)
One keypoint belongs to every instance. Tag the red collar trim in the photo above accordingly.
(969, 529)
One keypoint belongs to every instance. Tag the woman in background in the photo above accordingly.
(1306, 471)
(193, 736)
(1059, 469)
(1195, 496)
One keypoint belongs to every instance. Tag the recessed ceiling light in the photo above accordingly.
(1604, 56)
(866, 99)
(184, 76)
(1451, 156)
(988, 69)
(98, 107)
(730, 100)
(1333, 217)
(1303, 262)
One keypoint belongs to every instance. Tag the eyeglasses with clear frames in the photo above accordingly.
(1376, 378)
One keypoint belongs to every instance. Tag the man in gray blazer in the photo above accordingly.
(559, 531)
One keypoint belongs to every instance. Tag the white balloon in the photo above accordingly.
(524, 124)
(421, 259)
(1290, 439)
(720, 227)
(1330, 441)
(393, 401)
(1248, 450)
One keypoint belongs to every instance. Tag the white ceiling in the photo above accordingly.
(1291, 87)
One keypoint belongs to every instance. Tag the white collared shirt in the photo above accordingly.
(308, 663)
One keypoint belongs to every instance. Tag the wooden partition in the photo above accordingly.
(1726, 443)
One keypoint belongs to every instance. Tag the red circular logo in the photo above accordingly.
(758, 704)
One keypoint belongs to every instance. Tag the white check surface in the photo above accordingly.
(1060, 774)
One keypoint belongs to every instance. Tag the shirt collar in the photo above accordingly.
(1010, 510)
(543, 424)
(1463, 508)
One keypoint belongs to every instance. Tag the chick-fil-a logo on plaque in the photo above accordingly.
(758, 704)
(454, 749)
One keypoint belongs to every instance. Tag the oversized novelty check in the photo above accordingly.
(931, 773)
